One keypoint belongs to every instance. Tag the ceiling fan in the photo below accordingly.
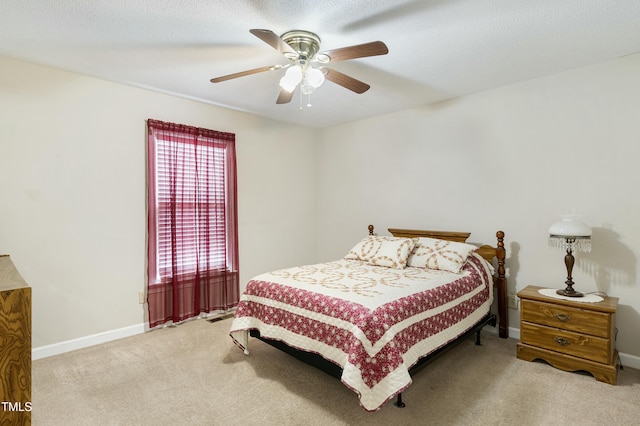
(306, 62)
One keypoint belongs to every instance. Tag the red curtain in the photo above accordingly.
(192, 222)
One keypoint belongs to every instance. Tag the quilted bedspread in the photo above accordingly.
(374, 322)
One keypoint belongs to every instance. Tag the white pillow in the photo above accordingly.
(432, 253)
(394, 253)
(390, 252)
(365, 249)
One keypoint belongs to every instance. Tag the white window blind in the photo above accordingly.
(193, 176)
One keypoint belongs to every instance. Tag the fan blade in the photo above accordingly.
(273, 40)
(346, 81)
(285, 96)
(243, 73)
(373, 48)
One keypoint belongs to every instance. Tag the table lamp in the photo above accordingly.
(570, 234)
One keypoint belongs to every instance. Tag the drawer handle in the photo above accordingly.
(562, 341)
(562, 317)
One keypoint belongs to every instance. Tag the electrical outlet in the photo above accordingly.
(141, 298)
(512, 301)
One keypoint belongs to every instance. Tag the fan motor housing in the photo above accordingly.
(305, 43)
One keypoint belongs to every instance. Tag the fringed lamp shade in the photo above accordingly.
(570, 234)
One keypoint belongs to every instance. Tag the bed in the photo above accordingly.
(373, 318)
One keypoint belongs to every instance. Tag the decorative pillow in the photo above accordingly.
(365, 249)
(386, 251)
(394, 252)
(432, 253)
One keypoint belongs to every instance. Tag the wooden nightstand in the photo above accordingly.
(569, 335)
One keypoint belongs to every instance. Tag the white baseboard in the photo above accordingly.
(85, 342)
(630, 361)
(626, 360)
(514, 333)
(107, 336)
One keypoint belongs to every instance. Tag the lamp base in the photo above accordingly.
(569, 293)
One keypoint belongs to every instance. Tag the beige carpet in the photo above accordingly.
(194, 375)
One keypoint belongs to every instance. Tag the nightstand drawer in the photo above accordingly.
(567, 318)
(588, 347)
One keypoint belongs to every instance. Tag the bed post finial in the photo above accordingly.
(500, 253)
(370, 229)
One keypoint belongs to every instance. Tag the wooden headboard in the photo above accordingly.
(487, 251)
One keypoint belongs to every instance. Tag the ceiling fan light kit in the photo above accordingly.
(291, 78)
(306, 63)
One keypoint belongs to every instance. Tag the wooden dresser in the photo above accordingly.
(569, 335)
(15, 346)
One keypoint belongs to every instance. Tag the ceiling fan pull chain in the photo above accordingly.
(300, 92)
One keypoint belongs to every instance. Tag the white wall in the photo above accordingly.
(510, 159)
(72, 169)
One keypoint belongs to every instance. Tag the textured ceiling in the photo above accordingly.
(438, 49)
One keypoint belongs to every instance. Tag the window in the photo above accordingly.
(197, 213)
(192, 221)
